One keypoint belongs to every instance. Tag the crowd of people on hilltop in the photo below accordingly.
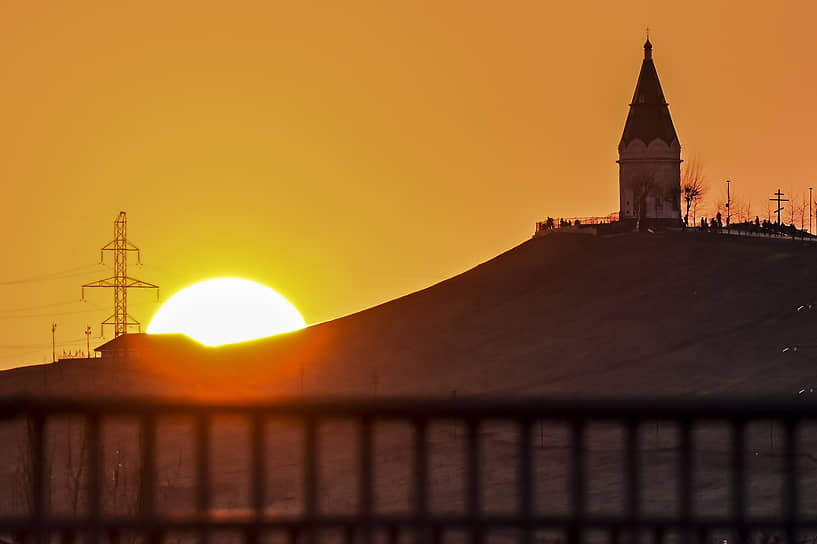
(550, 223)
(715, 224)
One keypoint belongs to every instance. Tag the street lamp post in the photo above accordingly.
(728, 204)
(88, 341)
(53, 343)
(809, 209)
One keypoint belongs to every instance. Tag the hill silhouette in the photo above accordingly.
(566, 314)
(671, 313)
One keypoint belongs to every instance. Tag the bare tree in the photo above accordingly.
(741, 210)
(643, 187)
(815, 213)
(24, 471)
(75, 462)
(802, 210)
(692, 187)
(793, 204)
(673, 198)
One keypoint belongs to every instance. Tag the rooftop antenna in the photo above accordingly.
(120, 281)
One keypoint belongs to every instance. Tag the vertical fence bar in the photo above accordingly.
(473, 486)
(393, 535)
(525, 481)
(258, 468)
(36, 446)
(292, 535)
(147, 479)
(258, 476)
(703, 536)
(92, 430)
(421, 480)
(685, 480)
(202, 432)
(67, 536)
(365, 490)
(633, 476)
(577, 481)
(311, 478)
(790, 487)
(739, 480)
(437, 534)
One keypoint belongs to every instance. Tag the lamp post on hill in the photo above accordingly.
(53, 343)
(809, 209)
(728, 204)
(88, 341)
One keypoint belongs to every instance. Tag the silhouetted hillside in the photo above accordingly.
(567, 314)
(633, 314)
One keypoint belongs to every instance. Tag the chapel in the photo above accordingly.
(649, 155)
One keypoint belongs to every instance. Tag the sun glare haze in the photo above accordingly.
(225, 311)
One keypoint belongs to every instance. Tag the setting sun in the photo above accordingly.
(225, 311)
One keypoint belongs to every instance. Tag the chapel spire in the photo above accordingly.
(649, 116)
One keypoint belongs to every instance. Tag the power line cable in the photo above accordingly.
(5, 317)
(38, 307)
(49, 314)
(44, 345)
(67, 273)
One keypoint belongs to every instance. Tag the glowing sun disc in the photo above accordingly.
(226, 311)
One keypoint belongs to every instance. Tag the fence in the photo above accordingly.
(751, 232)
(422, 523)
(563, 222)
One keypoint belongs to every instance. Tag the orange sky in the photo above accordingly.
(346, 153)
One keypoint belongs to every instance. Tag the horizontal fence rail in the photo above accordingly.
(564, 222)
(525, 521)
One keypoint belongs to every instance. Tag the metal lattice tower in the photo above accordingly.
(120, 281)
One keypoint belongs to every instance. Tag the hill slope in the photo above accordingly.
(661, 314)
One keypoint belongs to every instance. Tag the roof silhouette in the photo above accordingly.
(649, 116)
(140, 341)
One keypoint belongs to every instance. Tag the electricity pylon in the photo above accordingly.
(120, 281)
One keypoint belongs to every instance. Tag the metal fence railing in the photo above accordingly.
(525, 521)
(567, 222)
